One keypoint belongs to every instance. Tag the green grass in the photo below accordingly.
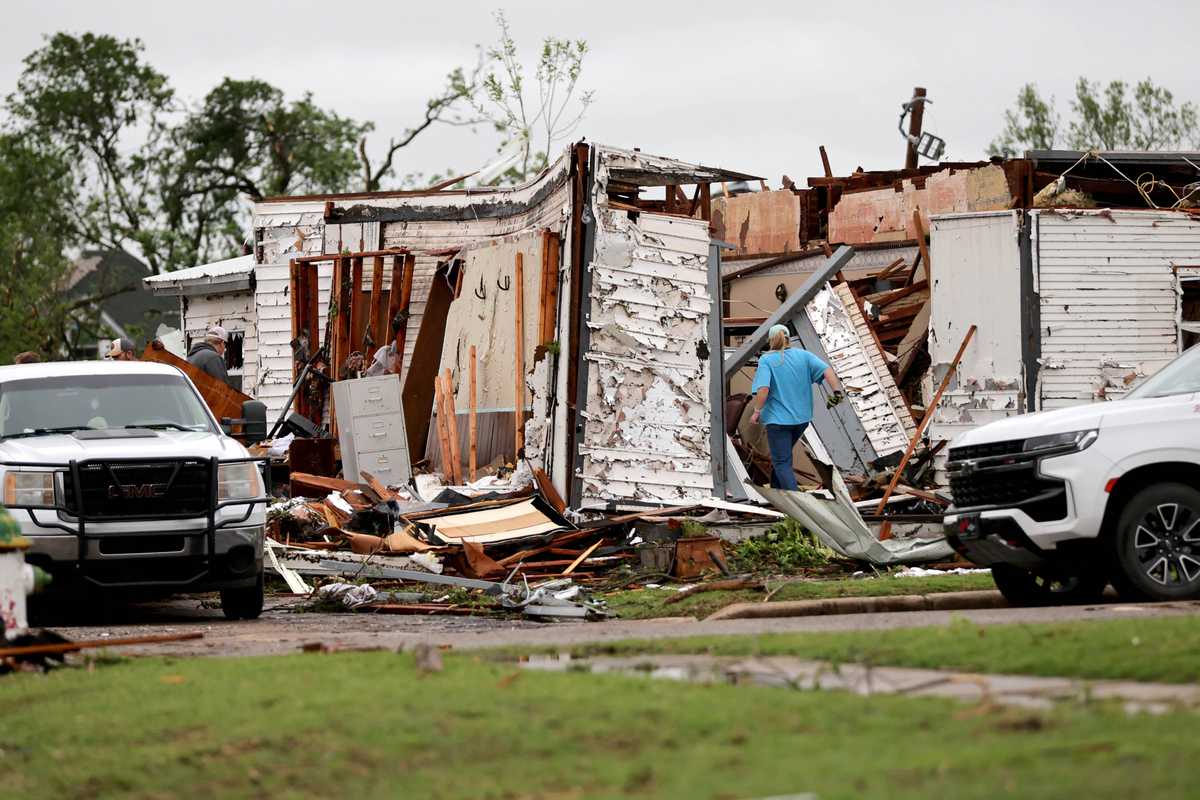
(1157, 649)
(367, 725)
(650, 603)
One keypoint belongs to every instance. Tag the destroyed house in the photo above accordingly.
(571, 318)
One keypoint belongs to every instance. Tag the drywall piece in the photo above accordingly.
(759, 223)
(885, 215)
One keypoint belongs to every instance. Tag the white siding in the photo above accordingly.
(648, 412)
(1109, 298)
(235, 312)
(976, 280)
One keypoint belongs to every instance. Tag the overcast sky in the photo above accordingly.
(750, 86)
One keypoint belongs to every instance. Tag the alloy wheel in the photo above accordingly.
(1166, 544)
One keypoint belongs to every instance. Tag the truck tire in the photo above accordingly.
(1154, 552)
(244, 603)
(1023, 588)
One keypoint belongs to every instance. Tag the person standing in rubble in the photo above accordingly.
(209, 354)
(783, 399)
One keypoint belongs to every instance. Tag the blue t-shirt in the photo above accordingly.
(789, 375)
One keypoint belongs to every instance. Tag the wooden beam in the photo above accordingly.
(825, 163)
(297, 302)
(410, 266)
(583, 557)
(706, 201)
(443, 430)
(919, 227)
(420, 380)
(365, 254)
(304, 484)
(375, 335)
(917, 113)
(358, 317)
(549, 493)
(885, 531)
(519, 389)
(472, 422)
(548, 308)
(452, 426)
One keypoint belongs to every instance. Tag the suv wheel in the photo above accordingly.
(1155, 550)
(1023, 588)
(244, 603)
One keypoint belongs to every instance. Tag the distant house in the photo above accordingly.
(126, 308)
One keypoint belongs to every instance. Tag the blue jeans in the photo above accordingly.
(781, 440)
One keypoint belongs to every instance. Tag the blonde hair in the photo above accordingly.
(779, 341)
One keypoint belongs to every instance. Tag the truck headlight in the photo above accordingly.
(238, 481)
(29, 489)
(1071, 442)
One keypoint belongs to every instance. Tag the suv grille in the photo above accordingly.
(1011, 483)
(989, 450)
(149, 489)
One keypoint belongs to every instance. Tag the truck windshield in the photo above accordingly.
(99, 402)
(1181, 376)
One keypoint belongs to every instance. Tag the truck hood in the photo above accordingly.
(1064, 420)
(62, 448)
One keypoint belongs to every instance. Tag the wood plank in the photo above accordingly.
(548, 307)
(222, 399)
(358, 306)
(583, 556)
(473, 423)
(452, 425)
(305, 484)
(374, 333)
(443, 431)
(546, 487)
(519, 394)
(924, 248)
(406, 285)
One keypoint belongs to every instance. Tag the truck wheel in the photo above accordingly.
(1023, 588)
(1154, 552)
(243, 603)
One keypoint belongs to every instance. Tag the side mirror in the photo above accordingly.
(254, 420)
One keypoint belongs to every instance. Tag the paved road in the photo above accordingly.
(282, 629)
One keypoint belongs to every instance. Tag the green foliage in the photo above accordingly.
(786, 548)
(690, 529)
(1031, 125)
(1104, 117)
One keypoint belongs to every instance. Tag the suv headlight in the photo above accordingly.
(29, 489)
(238, 481)
(1071, 442)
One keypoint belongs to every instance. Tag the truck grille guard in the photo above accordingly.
(73, 471)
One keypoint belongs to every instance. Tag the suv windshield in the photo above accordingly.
(1181, 376)
(99, 402)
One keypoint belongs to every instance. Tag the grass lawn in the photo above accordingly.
(367, 725)
(650, 603)
(1155, 649)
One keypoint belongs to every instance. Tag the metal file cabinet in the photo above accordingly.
(370, 417)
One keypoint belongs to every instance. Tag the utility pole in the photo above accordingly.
(914, 127)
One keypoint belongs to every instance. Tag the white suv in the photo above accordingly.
(121, 479)
(1060, 503)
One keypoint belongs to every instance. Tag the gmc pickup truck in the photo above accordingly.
(1061, 503)
(122, 480)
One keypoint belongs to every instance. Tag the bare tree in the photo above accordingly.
(560, 107)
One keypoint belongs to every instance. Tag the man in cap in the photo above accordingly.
(120, 350)
(208, 354)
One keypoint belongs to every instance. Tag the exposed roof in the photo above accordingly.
(230, 275)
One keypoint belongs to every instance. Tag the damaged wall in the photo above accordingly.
(489, 323)
(430, 223)
(759, 223)
(976, 281)
(879, 215)
(647, 412)
(1109, 298)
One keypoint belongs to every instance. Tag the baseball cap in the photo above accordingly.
(217, 332)
(778, 329)
(119, 346)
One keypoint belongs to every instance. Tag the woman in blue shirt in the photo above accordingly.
(784, 402)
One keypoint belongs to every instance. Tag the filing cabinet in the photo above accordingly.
(370, 417)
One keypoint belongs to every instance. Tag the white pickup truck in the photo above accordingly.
(122, 480)
(1061, 503)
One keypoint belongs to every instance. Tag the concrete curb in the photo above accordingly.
(944, 601)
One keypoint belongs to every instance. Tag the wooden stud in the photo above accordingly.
(919, 227)
(825, 163)
(297, 303)
(357, 307)
(885, 530)
(706, 202)
(410, 266)
(443, 430)
(472, 423)
(374, 323)
(452, 426)
(519, 395)
(583, 557)
(548, 307)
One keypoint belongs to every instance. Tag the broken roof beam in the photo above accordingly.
(792, 306)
